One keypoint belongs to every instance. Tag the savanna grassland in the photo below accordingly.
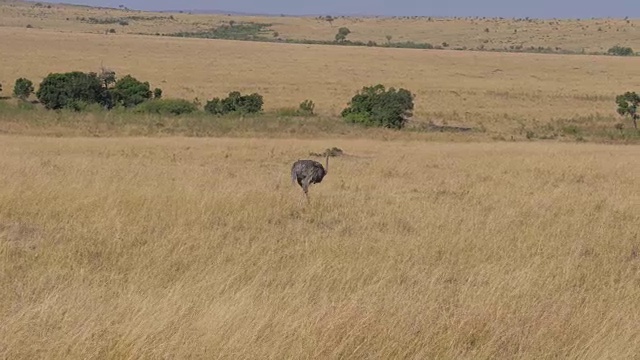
(129, 235)
(575, 35)
(504, 94)
(202, 248)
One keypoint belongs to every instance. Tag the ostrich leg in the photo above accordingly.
(305, 187)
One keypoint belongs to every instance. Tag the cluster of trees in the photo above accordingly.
(76, 90)
(371, 106)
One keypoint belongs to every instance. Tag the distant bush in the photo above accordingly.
(235, 103)
(23, 88)
(240, 31)
(157, 93)
(130, 92)
(620, 51)
(628, 106)
(103, 21)
(72, 90)
(375, 106)
(167, 107)
(409, 45)
(342, 34)
(306, 108)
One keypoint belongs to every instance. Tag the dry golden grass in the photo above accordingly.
(202, 248)
(590, 35)
(498, 91)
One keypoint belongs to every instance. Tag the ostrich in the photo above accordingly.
(307, 172)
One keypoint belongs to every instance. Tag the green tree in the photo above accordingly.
(628, 106)
(23, 88)
(376, 106)
(72, 90)
(130, 92)
(341, 36)
(620, 51)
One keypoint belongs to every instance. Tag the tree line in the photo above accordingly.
(78, 91)
(371, 106)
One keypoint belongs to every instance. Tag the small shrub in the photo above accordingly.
(235, 103)
(214, 106)
(306, 108)
(157, 93)
(620, 51)
(23, 88)
(376, 106)
(167, 107)
(571, 130)
(112, 31)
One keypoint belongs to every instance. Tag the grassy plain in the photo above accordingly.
(576, 35)
(202, 248)
(175, 247)
(499, 92)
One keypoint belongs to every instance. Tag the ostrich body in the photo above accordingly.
(307, 172)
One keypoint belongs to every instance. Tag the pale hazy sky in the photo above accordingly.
(505, 8)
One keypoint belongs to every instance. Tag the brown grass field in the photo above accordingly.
(417, 245)
(590, 35)
(202, 248)
(503, 94)
(499, 92)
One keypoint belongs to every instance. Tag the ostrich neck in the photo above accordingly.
(327, 164)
